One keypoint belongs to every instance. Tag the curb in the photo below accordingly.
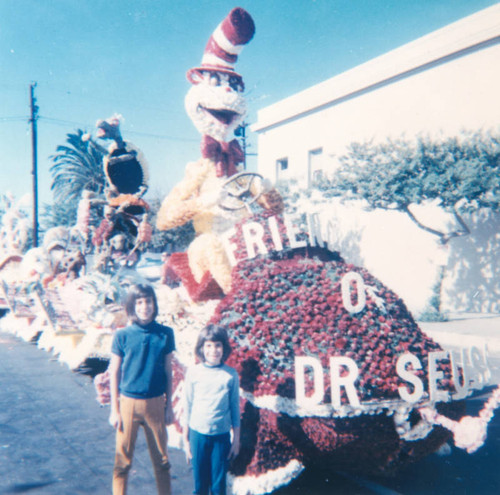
(451, 339)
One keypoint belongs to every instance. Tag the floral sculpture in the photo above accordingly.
(216, 105)
(14, 231)
(56, 260)
(121, 231)
(125, 167)
(334, 371)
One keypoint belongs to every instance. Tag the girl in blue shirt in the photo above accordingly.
(212, 410)
(141, 388)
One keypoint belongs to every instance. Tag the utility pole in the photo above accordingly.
(241, 133)
(34, 172)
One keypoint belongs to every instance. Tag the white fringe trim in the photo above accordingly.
(267, 482)
(289, 407)
(406, 431)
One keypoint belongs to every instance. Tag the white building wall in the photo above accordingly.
(440, 84)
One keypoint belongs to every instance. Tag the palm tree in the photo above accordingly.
(77, 166)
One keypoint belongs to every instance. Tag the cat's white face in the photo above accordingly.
(216, 105)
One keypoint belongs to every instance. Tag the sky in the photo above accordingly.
(93, 58)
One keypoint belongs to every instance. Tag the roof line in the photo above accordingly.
(383, 82)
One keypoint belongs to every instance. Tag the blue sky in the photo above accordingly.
(92, 58)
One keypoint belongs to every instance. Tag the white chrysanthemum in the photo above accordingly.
(216, 110)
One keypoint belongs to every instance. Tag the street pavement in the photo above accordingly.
(467, 330)
(55, 438)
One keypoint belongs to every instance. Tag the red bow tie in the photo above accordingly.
(225, 155)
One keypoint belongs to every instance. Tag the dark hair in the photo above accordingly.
(213, 333)
(137, 292)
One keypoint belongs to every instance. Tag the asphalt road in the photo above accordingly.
(55, 439)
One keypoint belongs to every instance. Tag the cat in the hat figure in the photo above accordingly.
(217, 106)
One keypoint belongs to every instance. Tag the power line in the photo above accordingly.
(64, 123)
(14, 119)
(104, 99)
(13, 87)
(159, 136)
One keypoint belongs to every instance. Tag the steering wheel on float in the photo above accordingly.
(237, 191)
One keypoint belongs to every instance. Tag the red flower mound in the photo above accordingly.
(292, 306)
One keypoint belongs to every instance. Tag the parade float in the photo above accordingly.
(334, 371)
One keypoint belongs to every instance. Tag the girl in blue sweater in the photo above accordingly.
(213, 410)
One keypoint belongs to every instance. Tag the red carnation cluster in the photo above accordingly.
(102, 232)
(102, 384)
(284, 308)
(177, 270)
(292, 305)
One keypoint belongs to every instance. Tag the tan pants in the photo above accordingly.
(150, 414)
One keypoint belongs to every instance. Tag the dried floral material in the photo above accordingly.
(469, 433)
(83, 216)
(293, 305)
(102, 387)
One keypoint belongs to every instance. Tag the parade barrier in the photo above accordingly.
(40, 316)
(18, 300)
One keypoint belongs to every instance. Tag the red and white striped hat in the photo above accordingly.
(225, 44)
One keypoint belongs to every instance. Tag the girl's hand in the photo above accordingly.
(169, 414)
(187, 450)
(115, 420)
(235, 449)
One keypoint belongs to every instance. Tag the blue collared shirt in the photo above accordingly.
(143, 350)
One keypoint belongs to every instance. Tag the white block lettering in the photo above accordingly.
(407, 375)
(253, 233)
(300, 383)
(346, 282)
(346, 381)
(434, 375)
